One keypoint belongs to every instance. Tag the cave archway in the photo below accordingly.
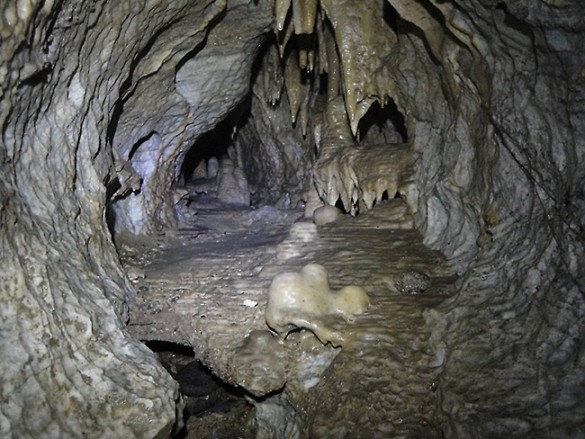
(383, 124)
(214, 143)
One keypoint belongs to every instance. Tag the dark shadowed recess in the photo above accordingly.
(202, 392)
(388, 121)
(215, 142)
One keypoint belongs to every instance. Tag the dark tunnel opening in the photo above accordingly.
(210, 145)
(383, 124)
(213, 143)
(213, 168)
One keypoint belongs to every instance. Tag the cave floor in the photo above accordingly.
(205, 285)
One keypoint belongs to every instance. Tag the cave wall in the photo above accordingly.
(276, 154)
(69, 369)
(493, 97)
(511, 340)
(492, 94)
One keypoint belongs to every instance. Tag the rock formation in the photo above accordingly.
(485, 100)
(305, 300)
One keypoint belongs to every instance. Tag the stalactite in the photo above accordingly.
(332, 60)
(365, 44)
(283, 36)
(460, 29)
(433, 31)
(292, 82)
(418, 15)
(306, 49)
(321, 45)
(304, 110)
(356, 54)
(303, 58)
(311, 60)
(272, 76)
(281, 8)
(446, 34)
(304, 14)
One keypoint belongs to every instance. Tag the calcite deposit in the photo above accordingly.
(457, 124)
(304, 300)
(326, 214)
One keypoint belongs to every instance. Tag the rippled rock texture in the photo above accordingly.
(101, 101)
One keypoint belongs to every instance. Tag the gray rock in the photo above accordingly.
(212, 167)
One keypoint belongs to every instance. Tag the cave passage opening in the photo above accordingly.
(266, 148)
(213, 145)
(383, 124)
(244, 178)
(213, 171)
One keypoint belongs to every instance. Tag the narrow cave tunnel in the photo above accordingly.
(254, 218)
(212, 145)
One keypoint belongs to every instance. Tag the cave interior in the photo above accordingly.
(292, 219)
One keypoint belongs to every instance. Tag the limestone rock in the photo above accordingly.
(212, 167)
(232, 186)
(199, 79)
(412, 282)
(260, 364)
(361, 177)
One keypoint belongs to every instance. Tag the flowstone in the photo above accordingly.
(304, 300)
(260, 363)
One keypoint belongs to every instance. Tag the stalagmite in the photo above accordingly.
(200, 171)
